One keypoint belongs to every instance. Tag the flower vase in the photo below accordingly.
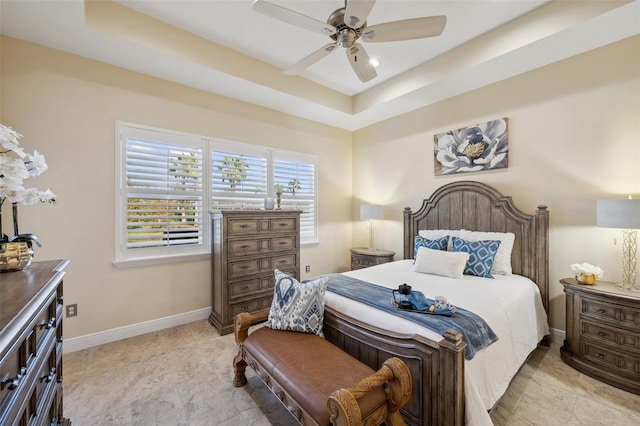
(278, 199)
(15, 256)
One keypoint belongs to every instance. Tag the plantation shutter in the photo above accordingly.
(297, 175)
(164, 194)
(238, 176)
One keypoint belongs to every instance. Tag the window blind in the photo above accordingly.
(164, 194)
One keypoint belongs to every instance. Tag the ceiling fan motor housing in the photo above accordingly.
(345, 36)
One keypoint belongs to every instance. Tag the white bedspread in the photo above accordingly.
(511, 305)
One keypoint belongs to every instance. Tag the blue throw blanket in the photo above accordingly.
(476, 333)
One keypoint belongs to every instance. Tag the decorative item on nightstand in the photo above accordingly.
(586, 273)
(371, 212)
(623, 214)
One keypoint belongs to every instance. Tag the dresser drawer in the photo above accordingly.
(623, 316)
(242, 226)
(622, 362)
(284, 261)
(47, 374)
(243, 247)
(284, 243)
(285, 224)
(245, 287)
(12, 372)
(610, 335)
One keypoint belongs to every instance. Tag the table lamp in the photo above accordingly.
(371, 212)
(623, 214)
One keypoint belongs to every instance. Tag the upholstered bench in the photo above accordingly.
(319, 383)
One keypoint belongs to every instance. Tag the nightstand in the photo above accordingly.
(603, 333)
(363, 257)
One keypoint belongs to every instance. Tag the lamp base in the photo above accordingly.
(629, 249)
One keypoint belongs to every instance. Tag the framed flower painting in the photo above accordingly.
(475, 148)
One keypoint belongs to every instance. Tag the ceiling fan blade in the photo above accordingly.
(360, 63)
(310, 59)
(406, 29)
(357, 11)
(292, 17)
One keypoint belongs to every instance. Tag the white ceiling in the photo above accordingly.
(500, 38)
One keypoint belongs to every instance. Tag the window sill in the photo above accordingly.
(134, 263)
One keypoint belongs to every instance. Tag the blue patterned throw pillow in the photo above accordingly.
(437, 244)
(481, 255)
(297, 306)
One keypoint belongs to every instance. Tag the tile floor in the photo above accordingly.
(183, 376)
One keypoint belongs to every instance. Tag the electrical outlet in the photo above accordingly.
(72, 310)
(307, 268)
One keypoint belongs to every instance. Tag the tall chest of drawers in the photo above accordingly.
(247, 245)
(31, 307)
(603, 333)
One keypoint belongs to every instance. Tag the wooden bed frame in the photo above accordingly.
(437, 368)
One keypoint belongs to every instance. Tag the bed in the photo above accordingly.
(447, 389)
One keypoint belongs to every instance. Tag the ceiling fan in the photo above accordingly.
(346, 26)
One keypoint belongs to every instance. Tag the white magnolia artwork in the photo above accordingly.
(471, 149)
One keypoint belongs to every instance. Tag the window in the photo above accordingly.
(168, 181)
(297, 175)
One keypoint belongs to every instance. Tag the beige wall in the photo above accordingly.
(66, 106)
(574, 137)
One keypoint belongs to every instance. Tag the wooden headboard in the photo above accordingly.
(479, 207)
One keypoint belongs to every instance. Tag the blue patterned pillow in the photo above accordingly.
(297, 306)
(481, 255)
(438, 244)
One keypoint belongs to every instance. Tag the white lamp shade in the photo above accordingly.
(370, 211)
(620, 213)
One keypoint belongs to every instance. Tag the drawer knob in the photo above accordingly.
(245, 287)
(599, 356)
(244, 225)
(48, 325)
(244, 246)
(13, 382)
(282, 243)
(244, 308)
(601, 311)
(243, 267)
(47, 378)
(600, 333)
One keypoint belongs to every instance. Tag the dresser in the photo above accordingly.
(363, 257)
(603, 333)
(31, 345)
(247, 246)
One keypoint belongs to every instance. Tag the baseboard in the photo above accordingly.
(557, 336)
(107, 336)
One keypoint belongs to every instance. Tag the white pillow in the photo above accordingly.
(437, 262)
(434, 234)
(502, 261)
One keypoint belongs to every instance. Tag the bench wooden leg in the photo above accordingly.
(239, 368)
(241, 329)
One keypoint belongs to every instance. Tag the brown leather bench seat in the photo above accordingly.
(312, 376)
